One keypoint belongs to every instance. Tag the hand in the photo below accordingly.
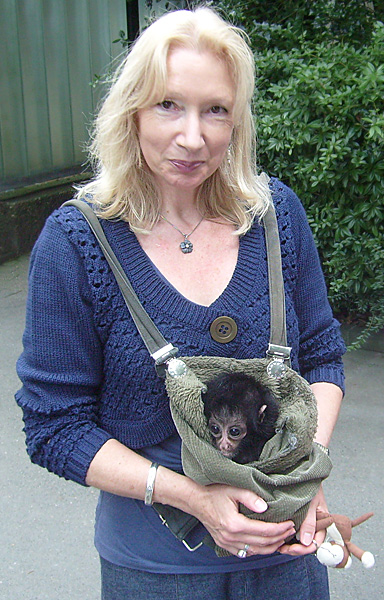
(307, 530)
(219, 512)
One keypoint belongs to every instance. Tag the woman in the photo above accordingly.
(180, 204)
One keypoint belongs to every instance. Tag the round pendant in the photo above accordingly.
(186, 246)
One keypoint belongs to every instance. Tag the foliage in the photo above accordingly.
(122, 39)
(319, 108)
(342, 20)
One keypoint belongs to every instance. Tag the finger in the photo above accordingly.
(263, 550)
(245, 550)
(267, 542)
(264, 541)
(320, 537)
(251, 501)
(307, 529)
(258, 544)
(241, 529)
(297, 549)
(300, 550)
(261, 529)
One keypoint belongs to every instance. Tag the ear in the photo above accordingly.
(261, 414)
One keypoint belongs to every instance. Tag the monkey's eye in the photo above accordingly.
(215, 430)
(235, 432)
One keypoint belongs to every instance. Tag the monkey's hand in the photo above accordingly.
(218, 509)
(307, 530)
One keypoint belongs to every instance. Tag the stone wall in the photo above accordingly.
(22, 219)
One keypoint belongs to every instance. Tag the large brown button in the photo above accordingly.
(223, 330)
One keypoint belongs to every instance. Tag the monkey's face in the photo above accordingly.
(227, 431)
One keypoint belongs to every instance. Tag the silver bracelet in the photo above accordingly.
(150, 483)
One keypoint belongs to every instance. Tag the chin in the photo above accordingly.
(230, 455)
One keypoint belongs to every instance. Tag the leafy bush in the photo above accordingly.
(341, 20)
(319, 110)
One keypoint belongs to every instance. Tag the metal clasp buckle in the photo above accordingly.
(280, 354)
(163, 355)
(188, 547)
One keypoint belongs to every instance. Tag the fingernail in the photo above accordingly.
(306, 540)
(260, 505)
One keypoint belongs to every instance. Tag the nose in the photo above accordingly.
(191, 135)
(225, 445)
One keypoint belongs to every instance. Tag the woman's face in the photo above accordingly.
(185, 137)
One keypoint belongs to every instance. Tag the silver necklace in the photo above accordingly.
(186, 245)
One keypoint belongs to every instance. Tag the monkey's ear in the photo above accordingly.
(262, 413)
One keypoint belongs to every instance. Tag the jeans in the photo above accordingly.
(300, 579)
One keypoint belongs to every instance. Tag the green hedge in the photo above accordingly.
(319, 108)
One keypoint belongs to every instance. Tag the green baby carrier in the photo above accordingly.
(291, 466)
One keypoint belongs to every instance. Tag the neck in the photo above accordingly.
(182, 212)
(179, 204)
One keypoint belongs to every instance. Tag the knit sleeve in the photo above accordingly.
(62, 362)
(320, 346)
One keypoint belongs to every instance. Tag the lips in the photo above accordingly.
(186, 166)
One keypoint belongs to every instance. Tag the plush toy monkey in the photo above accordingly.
(337, 551)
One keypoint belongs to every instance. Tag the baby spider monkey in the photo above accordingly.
(241, 416)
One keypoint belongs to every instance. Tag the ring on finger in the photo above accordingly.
(316, 544)
(242, 553)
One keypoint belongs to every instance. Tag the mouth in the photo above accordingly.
(227, 454)
(186, 166)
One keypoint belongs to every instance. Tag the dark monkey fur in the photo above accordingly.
(241, 416)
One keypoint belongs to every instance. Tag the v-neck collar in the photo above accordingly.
(155, 291)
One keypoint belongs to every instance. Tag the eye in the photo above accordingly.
(235, 432)
(215, 430)
(218, 110)
(166, 104)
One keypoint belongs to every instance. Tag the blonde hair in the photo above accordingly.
(123, 187)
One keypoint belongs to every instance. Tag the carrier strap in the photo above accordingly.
(156, 344)
(278, 334)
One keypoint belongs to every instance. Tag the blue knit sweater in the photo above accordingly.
(87, 376)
